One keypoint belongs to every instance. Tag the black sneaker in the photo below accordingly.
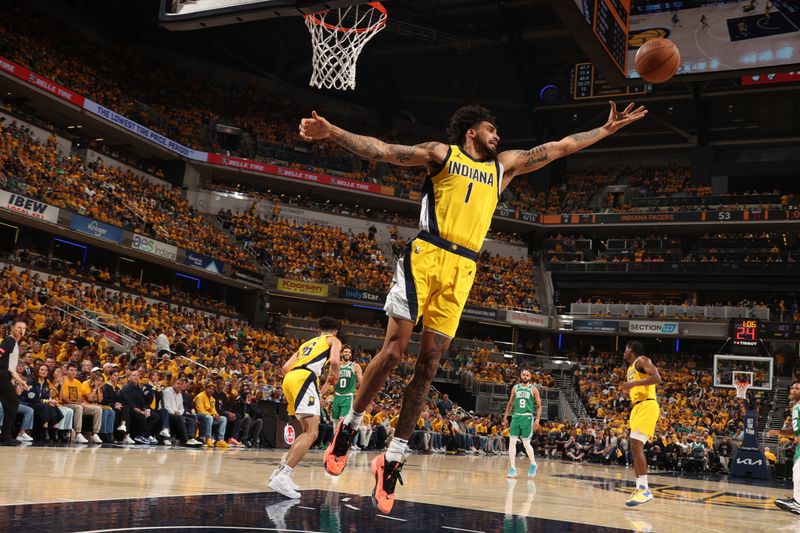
(790, 505)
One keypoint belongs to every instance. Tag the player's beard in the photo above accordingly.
(487, 149)
(526, 381)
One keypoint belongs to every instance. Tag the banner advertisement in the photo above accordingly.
(649, 327)
(28, 207)
(141, 131)
(356, 294)
(600, 326)
(97, 229)
(41, 82)
(251, 277)
(656, 217)
(302, 287)
(203, 262)
(304, 175)
(154, 247)
(480, 313)
(527, 319)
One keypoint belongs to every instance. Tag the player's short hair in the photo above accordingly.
(465, 118)
(636, 347)
(328, 323)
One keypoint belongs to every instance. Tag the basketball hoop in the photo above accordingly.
(741, 389)
(337, 37)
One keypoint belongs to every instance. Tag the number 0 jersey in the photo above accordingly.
(346, 384)
(459, 199)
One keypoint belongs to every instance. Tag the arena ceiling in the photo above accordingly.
(437, 55)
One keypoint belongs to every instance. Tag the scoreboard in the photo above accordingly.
(744, 334)
(610, 24)
(588, 83)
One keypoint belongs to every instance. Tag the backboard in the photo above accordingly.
(730, 368)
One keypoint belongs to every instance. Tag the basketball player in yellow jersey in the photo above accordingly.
(301, 374)
(435, 274)
(642, 378)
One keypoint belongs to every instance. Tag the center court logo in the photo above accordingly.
(289, 434)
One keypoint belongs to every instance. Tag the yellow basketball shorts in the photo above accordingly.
(300, 390)
(432, 280)
(644, 417)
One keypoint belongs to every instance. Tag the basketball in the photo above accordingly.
(657, 60)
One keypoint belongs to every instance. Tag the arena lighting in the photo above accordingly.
(85, 248)
(677, 345)
(368, 307)
(189, 277)
(560, 340)
(127, 259)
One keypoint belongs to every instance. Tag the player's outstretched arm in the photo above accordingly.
(334, 364)
(429, 154)
(518, 162)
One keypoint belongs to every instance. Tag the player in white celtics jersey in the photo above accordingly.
(525, 400)
(792, 505)
(345, 387)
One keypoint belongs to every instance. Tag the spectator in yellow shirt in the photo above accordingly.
(207, 415)
(72, 398)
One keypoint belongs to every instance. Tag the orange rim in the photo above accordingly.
(313, 17)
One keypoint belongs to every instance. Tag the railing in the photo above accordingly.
(679, 267)
(706, 312)
(129, 337)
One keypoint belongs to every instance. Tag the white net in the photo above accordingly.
(337, 38)
(741, 389)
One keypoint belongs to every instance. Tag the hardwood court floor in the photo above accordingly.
(118, 489)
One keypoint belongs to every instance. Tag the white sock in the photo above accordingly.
(512, 452)
(287, 470)
(526, 443)
(641, 482)
(353, 419)
(397, 448)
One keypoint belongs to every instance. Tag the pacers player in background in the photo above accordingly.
(524, 399)
(300, 386)
(345, 387)
(792, 430)
(642, 378)
(435, 274)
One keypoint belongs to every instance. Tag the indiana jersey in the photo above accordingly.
(313, 354)
(346, 383)
(638, 394)
(459, 199)
(524, 400)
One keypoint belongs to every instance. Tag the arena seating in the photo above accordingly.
(108, 194)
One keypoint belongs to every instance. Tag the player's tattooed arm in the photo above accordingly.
(518, 162)
(317, 128)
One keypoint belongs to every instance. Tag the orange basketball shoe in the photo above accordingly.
(387, 474)
(335, 456)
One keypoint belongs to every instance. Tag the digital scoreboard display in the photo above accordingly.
(588, 83)
(745, 334)
(610, 22)
(779, 331)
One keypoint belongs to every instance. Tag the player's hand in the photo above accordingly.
(626, 386)
(505, 421)
(536, 426)
(314, 128)
(618, 120)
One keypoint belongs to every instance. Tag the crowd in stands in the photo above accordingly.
(108, 194)
(186, 108)
(327, 254)
(748, 247)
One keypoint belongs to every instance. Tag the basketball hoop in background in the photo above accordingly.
(337, 38)
(741, 389)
